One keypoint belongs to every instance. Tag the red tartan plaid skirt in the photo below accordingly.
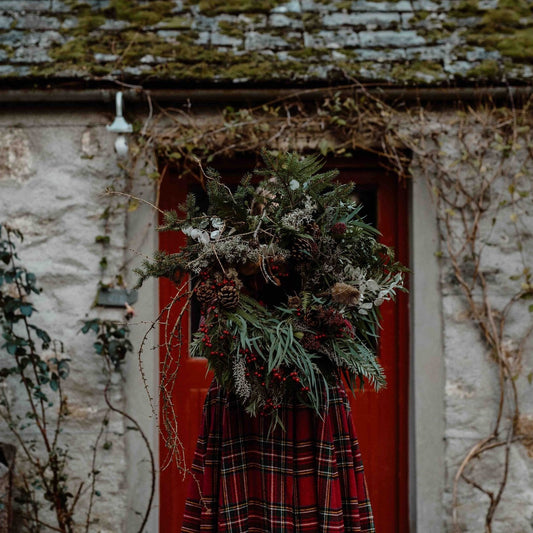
(306, 479)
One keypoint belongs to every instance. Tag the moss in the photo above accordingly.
(486, 70)
(344, 5)
(521, 7)
(74, 50)
(215, 7)
(465, 9)
(88, 21)
(519, 45)
(435, 35)
(177, 23)
(307, 53)
(252, 67)
(101, 70)
(9, 50)
(260, 69)
(311, 21)
(500, 20)
(230, 29)
(410, 72)
(182, 71)
(508, 29)
(419, 16)
(147, 13)
(257, 18)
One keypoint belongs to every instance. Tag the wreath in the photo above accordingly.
(289, 279)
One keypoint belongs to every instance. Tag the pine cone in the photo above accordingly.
(302, 249)
(205, 294)
(313, 229)
(314, 318)
(228, 297)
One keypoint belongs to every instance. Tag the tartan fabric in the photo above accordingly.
(307, 479)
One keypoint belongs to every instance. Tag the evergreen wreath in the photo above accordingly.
(289, 279)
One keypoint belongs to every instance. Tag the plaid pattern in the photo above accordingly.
(307, 479)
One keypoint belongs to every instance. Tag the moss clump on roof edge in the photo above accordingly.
(217, 7)
(488, 70)
(507, 29)
(145, 13)
(417, 71)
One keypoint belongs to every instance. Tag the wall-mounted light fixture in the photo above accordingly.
(120, 126)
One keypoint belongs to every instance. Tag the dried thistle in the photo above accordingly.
(345, 294)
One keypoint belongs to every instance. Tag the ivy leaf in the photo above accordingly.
(11, 348)
(113, 345)
(42, 335)
(63, 369)
(120, 333)
(26, 309)
(90, 325)
(54, 383)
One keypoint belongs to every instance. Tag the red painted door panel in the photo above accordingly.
(380, 418)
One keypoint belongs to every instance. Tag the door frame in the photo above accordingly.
(426, 409)
(393, 215)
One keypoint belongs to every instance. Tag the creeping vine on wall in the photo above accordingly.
(476, 160)
(478, 165)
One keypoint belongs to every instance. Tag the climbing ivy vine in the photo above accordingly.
(476, 160)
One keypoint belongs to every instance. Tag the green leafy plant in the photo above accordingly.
(32, 359)
(112, 339)
(112, 345)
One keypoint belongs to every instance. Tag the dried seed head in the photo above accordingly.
(345, 294)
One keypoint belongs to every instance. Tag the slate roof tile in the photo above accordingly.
(403, 42)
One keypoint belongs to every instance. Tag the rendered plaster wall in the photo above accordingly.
(471, 391)
(54, 167)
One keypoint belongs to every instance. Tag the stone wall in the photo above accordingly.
(54, 167)
(471, 394)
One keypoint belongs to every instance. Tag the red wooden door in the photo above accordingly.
(380, 418)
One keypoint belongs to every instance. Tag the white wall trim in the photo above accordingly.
(427, 424)
(142, 242)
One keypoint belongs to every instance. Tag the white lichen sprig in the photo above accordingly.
(300, 217)
(243, 388)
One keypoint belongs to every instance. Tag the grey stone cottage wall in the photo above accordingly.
(471, 390)
(54, 167)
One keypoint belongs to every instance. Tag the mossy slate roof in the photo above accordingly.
(251, 42)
